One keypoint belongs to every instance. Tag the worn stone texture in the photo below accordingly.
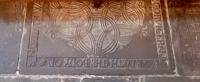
(66, 79)
(182, 21)
(102, 79)
(125, 37)
(10, 36)
(185, 22)
(28, 79)
(189, 41)
(176, 14)
(171, 79)
(112, 79)
(71, 79)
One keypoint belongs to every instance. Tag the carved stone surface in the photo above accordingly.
(120, 37)
(10, 36)
(190, 38)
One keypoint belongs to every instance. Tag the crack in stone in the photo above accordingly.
(24, 31)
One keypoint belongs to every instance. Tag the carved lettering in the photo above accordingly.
(99, 63)
(58, 62)
(159, 30)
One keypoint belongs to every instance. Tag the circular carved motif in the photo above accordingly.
(97, 31)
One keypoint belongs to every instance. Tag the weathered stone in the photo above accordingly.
(111, 79)
(11, 20)
(31, 79)
(102, 79)
(171, 79)
(189, 24)
(120, 37)
(72, 80)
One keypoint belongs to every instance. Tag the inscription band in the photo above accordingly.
(35, 24)
(99, 63)
(159, 30)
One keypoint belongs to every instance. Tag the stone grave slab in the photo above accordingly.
(120, 38)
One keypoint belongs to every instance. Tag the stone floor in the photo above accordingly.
(122, 41)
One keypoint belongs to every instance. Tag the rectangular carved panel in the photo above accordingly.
(120, 37)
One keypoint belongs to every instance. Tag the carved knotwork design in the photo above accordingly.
(97, 31)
